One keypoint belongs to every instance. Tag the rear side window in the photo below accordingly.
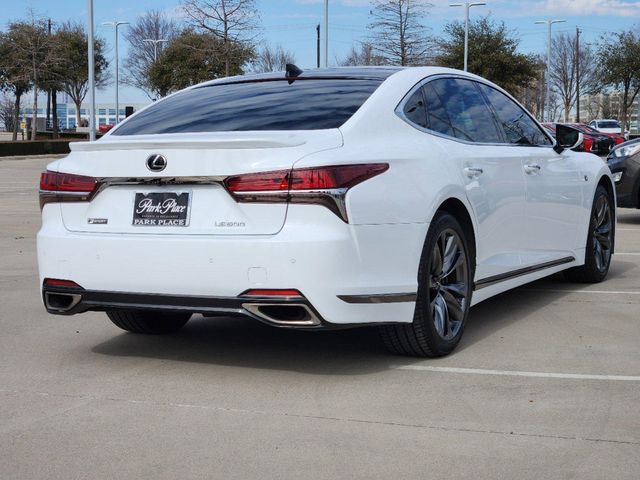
(518, 126)
(414, 109)
(468, 115)
(306, 104)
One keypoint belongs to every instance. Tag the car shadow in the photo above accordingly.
(241, 342)
(489, 317)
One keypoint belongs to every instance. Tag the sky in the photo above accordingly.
(292, 23)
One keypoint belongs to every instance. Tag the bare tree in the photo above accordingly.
(365, 56)
(533, 94)
(593, 107)
(72, 50)
(564, 77)
(398, 31)
(154, 25)
(605, 107)
(270, 59)
(34, 52)
(555, 107)
(7, 112)
(232, 21)
(619, 67)
(14, 77)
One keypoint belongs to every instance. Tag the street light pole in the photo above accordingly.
(549, 23)
(92, 76)
(326, 33)
(116, 24)
(155, 45)
(467, 6)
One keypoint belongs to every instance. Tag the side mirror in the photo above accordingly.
(567, 138)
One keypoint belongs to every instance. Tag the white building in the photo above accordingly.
(608, 105)
(105, 113)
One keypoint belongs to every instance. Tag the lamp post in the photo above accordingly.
(115, 25)
(549, 23)
(155, 45)
(92, 77)
(326, 33)
(467, 6)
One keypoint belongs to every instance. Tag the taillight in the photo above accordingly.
(65, 187)
(259, 182)
(326, 185)
(338, 176)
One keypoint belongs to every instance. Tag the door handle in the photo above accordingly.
(532, 169)
(473, 172)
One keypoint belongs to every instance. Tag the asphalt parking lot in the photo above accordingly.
(545, 384)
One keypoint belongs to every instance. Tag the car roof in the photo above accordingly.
(380, 73)
(364, 73)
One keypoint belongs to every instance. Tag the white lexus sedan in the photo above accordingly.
(394, 197)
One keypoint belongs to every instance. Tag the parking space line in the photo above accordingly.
(512, 373)
(628, 253)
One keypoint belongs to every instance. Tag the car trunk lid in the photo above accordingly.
(188, 196)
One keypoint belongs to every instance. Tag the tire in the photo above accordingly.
(600, 241)
(444, 295)
(149, 322)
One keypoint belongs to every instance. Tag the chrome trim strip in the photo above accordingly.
(332, 198)
(503, 277)
(105, 182)
(380, 298)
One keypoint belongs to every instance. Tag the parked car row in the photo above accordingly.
(593, 141)
(623, 157)
(609, 126)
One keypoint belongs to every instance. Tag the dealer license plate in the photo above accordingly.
(161, 209)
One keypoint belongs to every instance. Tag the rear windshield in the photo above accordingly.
(608, 125)
(311, 104)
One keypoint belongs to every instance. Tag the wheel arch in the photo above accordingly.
(454, 206)
(607, 183)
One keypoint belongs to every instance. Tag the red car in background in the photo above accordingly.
(104, 128)
(598, 143)
(587, 130)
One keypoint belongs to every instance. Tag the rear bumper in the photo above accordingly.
(315, 253)
(294, 312)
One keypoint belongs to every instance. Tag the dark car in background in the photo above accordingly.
(624, 162)
(597, 142)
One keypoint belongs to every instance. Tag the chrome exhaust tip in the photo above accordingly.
(284, 315)
(57, 302)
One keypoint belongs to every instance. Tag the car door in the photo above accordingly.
(494, 180)
(553, 183)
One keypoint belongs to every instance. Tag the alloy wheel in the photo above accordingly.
(448, 284)
(602, 233)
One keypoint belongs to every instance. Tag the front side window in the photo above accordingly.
(518, 126)
(305, 104)
(455, 106)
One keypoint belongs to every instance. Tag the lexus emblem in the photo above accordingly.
(156, 163)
